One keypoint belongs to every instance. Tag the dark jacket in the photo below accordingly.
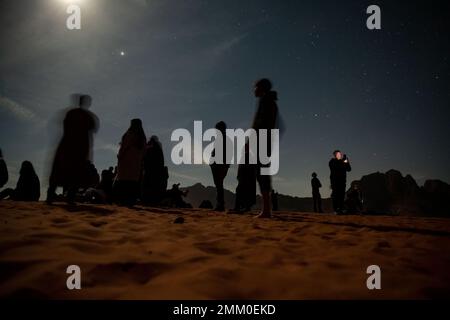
(3, 173)
(339, 171)
(28, 188)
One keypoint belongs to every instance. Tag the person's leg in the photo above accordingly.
(220, 196)
(319, 202)
(218, 183)
(315, 202)
(238, 200)
(334, 199)
(265, 187)
(340, 198)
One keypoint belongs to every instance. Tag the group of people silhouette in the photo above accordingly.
(141, 174)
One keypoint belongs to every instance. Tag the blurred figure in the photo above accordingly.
(3, 171)
(246, 188)
(74, 149)
(129, 165)
(317, 198)
(91, 176)
(339, 166)
(274, 197)
(175, 197)
(28, 186)
(265, 118)
(106, 183)
(353, 202)
(220, 168)
(154, 183)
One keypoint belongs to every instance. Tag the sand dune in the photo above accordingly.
(140, 253)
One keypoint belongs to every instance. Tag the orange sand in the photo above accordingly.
(127, 254)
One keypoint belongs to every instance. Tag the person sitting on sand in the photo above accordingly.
(175, 197)
(106, 183)
(353, 202)
(28, 186)
(129, 165)
(3, 171)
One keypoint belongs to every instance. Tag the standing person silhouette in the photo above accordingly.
(74, 149)
(220, 166)
(153, 182)
(129, 164)
(339, 166)
(265, 118)
(3, 171)
(317, 199)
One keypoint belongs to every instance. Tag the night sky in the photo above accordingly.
(381, 96)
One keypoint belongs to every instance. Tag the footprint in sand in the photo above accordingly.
(131, 272)
(212, 248)
(98, 224)
(60, 220)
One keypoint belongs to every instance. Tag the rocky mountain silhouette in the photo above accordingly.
(393, 193)
(388, 193)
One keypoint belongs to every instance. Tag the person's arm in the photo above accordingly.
(347, 166)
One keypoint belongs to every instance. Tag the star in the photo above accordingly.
(122, 53)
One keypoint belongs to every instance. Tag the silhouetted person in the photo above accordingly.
(176, 195)
(28, 187)
(339, 166)
(91, 176)
(3, 171)
(353, 202)
(246, 188)
(154, 183)
(129, 165)
(274, 197)
(106, 183)
(74, 149)
(219, 168)
(317, 198)
(265, 118)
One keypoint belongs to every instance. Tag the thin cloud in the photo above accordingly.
(19, 111)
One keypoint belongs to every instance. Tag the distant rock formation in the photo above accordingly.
(391, 193)
(199, 193)
(382, 193)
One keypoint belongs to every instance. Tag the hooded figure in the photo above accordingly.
(154, 183)
(28, 186)
(129, 165)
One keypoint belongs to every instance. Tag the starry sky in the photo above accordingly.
(381, 96)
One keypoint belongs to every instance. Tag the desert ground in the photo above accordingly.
(141, 253)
